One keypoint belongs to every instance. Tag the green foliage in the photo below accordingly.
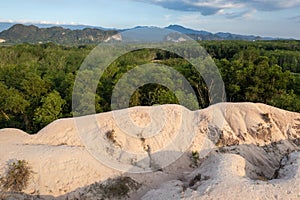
(20, 33)
(28, 75)
(11, 102)
(250, 77)
(50, 110)
(153, 94)
(289, 101)
(17, 176)
(36, 81)
(195, 159)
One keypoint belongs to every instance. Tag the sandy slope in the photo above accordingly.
(226, 179)
(246, 151)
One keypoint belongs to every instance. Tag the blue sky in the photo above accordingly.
(275, 18)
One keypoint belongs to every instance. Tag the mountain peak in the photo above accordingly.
(20, 33)
(74, 34)
(23, 27)
(174, 26)
(187, 31)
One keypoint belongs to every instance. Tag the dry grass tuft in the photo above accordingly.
(17, 176)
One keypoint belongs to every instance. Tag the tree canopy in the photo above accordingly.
(36, 81)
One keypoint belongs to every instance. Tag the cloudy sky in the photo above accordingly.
(259, 17)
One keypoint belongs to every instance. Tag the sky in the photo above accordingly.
(274, 18)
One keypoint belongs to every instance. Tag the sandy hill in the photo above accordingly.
(226, 151)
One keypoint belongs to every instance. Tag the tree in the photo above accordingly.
(51, 109)
(11, 103)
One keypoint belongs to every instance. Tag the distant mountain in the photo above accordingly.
(187, 31)
(204, 35)
(230, 36)
(6, 25)
(20, 33)
(70, 26)
(82, 34)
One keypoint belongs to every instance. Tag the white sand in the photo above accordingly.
(72, 153)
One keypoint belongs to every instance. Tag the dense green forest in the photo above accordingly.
(36, 81)
(19, 33)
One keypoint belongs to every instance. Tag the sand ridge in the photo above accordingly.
(241, 147)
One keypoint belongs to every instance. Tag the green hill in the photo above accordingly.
(32, 34)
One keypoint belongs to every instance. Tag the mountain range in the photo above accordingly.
(82, 34)
(32, 34)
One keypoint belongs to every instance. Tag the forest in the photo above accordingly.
(37, 80)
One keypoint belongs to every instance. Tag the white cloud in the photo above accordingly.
(37, 22)
(243, 14)
(168, 17)
(211, 7)
(295, 18)
(191, 19)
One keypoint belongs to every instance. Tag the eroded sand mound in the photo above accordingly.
(244, 150)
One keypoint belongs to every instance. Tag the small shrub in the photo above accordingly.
(142, 140)
(266, 117)
(118, 188)
(195, 158)
(17, 176)
(111, 136)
